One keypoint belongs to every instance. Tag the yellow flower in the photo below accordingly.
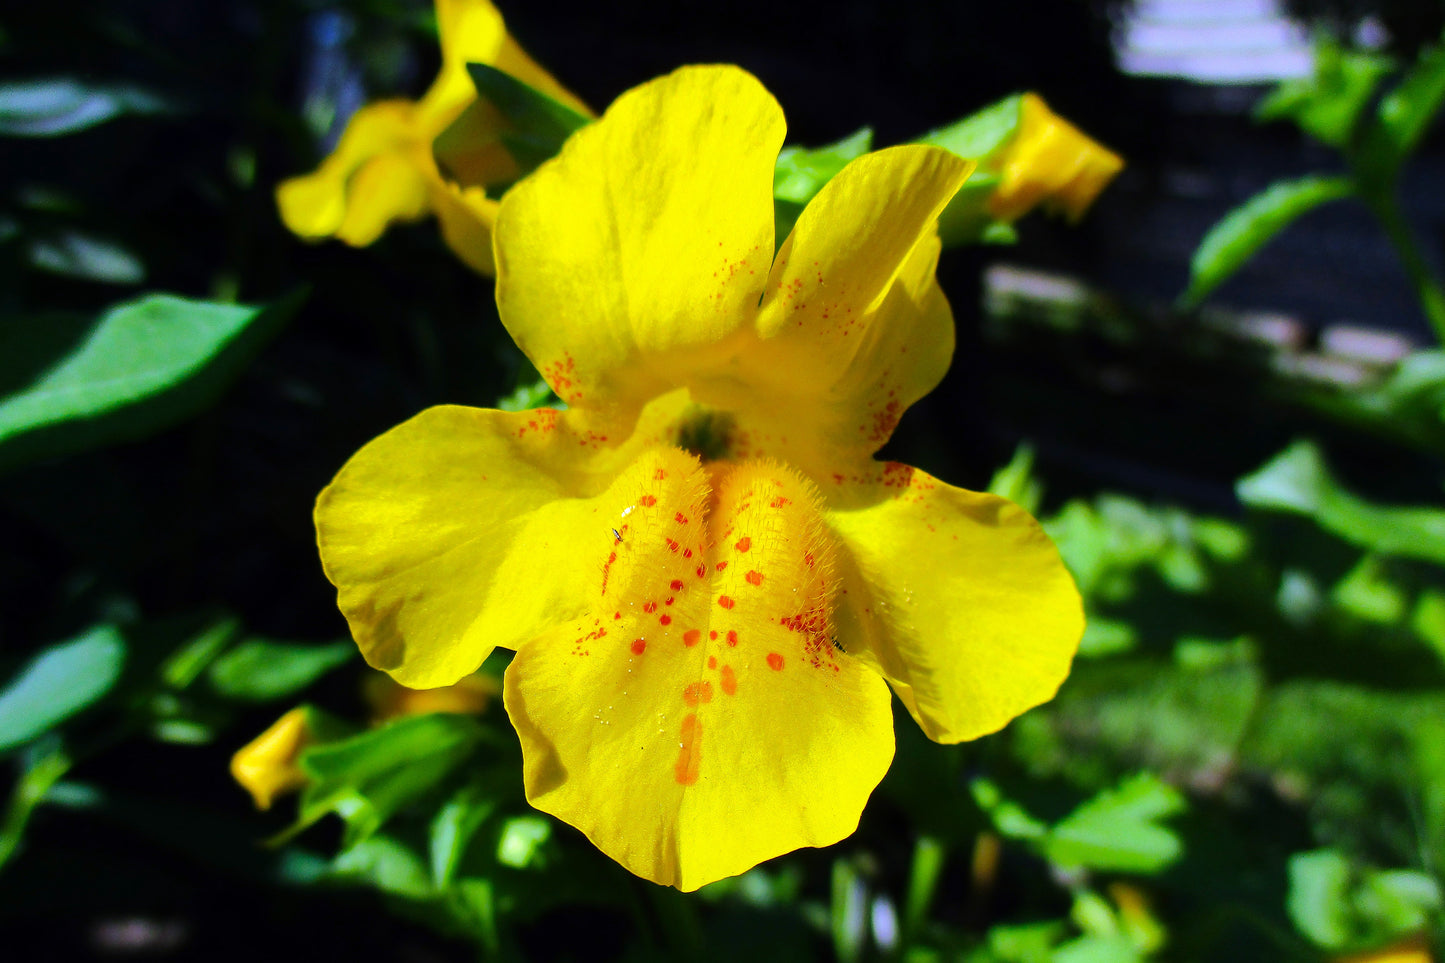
(389, 700)
(267, 766)
(709, 581)
(383, 170)
(1049, 162)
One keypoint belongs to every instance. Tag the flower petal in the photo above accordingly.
(645, 243)
(699, 720)
(315, 205)
(854, 326)
(458, 531)
(957, 597)
(1050, 162)
(267, 767)
(466, 215)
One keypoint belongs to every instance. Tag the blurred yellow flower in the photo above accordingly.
(267, 766)
(709, 580)
(389, 699)
(383, 170)
(1050, 163)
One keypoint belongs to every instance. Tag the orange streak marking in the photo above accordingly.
(689, 754)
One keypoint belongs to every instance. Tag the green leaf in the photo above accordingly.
(367, 778)
(51, 108)
(1298, 481)
(1016, 481)
(58, 683)
(386, 865)
(452, 830)
(1319, 884)
(258, 670)
(1119, 830)
(66, 384)
(535, 125)
(183, 666)
(1247, 228)
(1328, 104)
(84, 256)
(521, 841)
(1405, 113)
(982, 133)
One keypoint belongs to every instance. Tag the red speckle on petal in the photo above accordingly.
(755, 577)
(701, 571)
(649, 607)
(665, 619)
(729, 681)
(725, 602)
(779, 502)
(647, 501)
(721, 566)
(732, 638)
(680, 518)
(712, 634)
(689, 752)
(639, 646)
(691, 637)
(775, 661)
(712, 662)
(744, 544)
(617, 615)
(660, 474)
(697, 692)
(687, 553)
(676, 585)
(668, 601)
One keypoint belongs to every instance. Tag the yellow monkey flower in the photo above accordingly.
(383, 170)
(1050, 163)
(709, 581)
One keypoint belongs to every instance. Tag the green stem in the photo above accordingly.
(1427, 286)
(29, 791)
(928, 857)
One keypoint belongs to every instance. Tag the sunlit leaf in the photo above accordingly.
(59, 682)
(1120, 829)
(1247, 228)
(1405, 113)
(50, 108)
(66, 384)
(1328, 103)
(385, 864)
(1297, 480)
(260, 670)
(1318, 887)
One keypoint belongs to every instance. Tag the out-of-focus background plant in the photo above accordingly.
(1248, 761)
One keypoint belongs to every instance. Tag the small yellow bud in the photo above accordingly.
(266, 767)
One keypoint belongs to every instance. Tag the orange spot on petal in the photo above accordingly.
(732, 638)
(775, 661)
(755, 577)
(691, 637)
(639, 646)
(729, 681)
(743, 544)
(725, 602)
(697, 692)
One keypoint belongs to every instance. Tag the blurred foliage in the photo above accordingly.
(1248, 761)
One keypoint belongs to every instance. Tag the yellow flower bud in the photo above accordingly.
(266, 767)
(1049, 162)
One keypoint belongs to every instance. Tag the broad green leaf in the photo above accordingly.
(1367, 593)
(1010, 819)
(1028, 943)
(1298, 481)
(521, 841)
(259, 670)
(1016, 481)
(51, 108)
(58, 683)
(1328, 104)
(1119, 830)
(1247, 228)
(188, 662)
(367, 778)
(66, 384)
(1318, 905)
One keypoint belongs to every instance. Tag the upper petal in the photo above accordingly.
(459, 530)
(626, 260)
(957, 597)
